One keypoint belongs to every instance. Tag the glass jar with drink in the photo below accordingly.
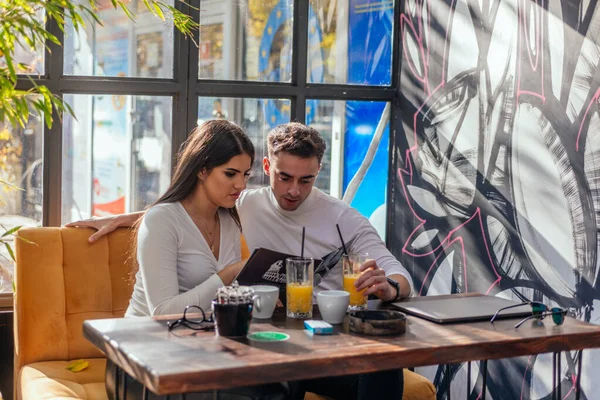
(351, 264)
(299, 287)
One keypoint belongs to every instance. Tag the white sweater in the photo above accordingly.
(267, 225)
(176, 266)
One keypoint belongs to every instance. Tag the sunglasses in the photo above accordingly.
(204, 324)
(538, 311)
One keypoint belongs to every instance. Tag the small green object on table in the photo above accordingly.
(269, 336)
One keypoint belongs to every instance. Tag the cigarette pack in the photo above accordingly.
(318, 327)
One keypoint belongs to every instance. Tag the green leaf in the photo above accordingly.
(11, 231)
(159, 12)
(10, 65)
(10, 251)
(127, 11)
(3, 182)
(21, 238)
(78, 365)
(90, 13)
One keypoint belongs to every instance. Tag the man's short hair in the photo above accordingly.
(297, 139)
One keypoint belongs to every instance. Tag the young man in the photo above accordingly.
(273, 217)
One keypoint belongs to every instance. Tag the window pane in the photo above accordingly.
(246, 40)
(21, 165)
(355, 166)
(121, 47)
(33, 58)
(255, 116)
(116, 155)
(350, 42)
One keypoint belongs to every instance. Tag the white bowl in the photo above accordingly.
(333, 305)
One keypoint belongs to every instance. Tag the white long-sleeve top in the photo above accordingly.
(176, 266)
(267, 225)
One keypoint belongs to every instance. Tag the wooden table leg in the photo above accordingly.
(553, 376)
(448, 381)
(558, 376)
(468, 379)
(578, 383)
(484, 372)
(124, 379)
(117, 382)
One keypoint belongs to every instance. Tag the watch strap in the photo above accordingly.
(396, 285)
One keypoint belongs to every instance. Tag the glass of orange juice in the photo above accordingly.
(299, 288)
(351, 264)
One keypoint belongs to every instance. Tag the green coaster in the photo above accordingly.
(269, 336)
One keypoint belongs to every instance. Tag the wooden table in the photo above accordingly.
(188, 361)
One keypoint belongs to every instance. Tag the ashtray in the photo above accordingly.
(377, 322)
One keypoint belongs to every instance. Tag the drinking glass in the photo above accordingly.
(351, 264)
(299, 288)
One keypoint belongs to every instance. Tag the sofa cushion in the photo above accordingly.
(61, 281)
(416, 387)
(52, 380)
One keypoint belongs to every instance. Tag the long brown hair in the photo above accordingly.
(209, 145)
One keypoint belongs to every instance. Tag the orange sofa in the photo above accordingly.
(62, 280)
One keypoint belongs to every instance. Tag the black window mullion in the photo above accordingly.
(394, 163)
(193, 83)
(396, 49)
(244, 89)
(181, 75)
(118, 85)
(349, 92)
(396, 129)
(52, 142)
(299, 59)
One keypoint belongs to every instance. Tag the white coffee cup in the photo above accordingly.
(333, 305)
(265, 300)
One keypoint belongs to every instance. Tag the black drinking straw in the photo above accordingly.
(342, 239)
(302, 250)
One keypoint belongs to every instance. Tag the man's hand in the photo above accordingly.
(373, 280)
(105, 225)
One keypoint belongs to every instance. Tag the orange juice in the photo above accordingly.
(299, 298)
(356, 298)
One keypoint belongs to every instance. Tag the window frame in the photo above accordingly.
(185, 88)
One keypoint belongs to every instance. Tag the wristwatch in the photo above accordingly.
(397, 286)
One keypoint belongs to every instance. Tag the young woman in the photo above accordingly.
(188, 242)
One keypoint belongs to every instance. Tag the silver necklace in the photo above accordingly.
(210, 240)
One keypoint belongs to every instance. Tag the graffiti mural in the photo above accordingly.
(498, 169)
